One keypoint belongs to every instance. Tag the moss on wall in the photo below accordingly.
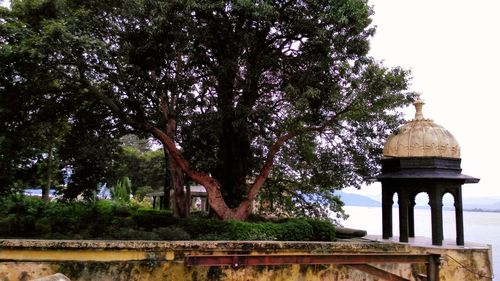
(136, 260)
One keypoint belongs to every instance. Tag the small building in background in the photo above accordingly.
(199, 201)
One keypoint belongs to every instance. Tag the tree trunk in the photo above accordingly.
(234, 150)
(179, 208)
(167, 187)
(180, 195)
(214, 194)
(46, 189)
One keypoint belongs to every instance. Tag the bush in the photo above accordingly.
(142, 192)
(157, 212)
(296, 230)
(125, 233)
(43, 226)
(120, 192)
(205, 228)
(172, 233)
(24, 217)
(23, 205)
(213, 237)
(7, 224)
(323, 230)
(152, 218)
(239, 230)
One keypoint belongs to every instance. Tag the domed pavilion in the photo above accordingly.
(421, 157)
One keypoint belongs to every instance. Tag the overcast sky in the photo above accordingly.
(452, 48)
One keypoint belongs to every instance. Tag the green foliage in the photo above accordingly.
(322, 230)
(120, 192)
(237, 75)
(38, 112)
(6, 225)
(142, 191)
(144, 167)
(286, 230)
(239, 230)
(30, 217)
(172, 233)
(126, 233)
(152, 218)
(88, 150)
(296, 230)
(202, 228)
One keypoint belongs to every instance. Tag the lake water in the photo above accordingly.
(479, 227)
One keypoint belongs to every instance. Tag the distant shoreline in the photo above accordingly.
(480, 210)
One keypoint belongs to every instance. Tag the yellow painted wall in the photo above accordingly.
(147, 260)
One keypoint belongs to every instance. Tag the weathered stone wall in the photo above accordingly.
(150, 260)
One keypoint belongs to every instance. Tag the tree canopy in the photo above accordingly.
(236, 91)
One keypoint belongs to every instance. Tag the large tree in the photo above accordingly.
(233, 88)
(44, 129)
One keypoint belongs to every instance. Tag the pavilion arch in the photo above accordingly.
(411, 210)
(407, 178)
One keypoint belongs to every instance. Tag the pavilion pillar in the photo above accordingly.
(459, 216)
(411, 217)
(436, 203)
(403, 215)
(387, 202)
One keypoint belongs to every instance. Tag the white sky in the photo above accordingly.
(453, 50)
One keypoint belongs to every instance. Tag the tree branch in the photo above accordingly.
(276, 147)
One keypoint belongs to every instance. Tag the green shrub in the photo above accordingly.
(24, 205)
(7, 224)
(205, 228)
(43, 226)
(322, 230)
(239, 230)
(143, 211)
(121, 210)
(151, 218)
(143, 191)
(296, 230)
(125, 233)
(171, 233)
(25, 217)
(223, 236)
(104, 206)
(14, 225)
(120, 192)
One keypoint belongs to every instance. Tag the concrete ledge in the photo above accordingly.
(340, 246)
(169, 260)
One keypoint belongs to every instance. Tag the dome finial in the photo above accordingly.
(419, 103)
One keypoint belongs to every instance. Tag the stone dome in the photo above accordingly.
(421, 137)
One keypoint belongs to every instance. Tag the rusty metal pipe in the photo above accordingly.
(250, 260)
